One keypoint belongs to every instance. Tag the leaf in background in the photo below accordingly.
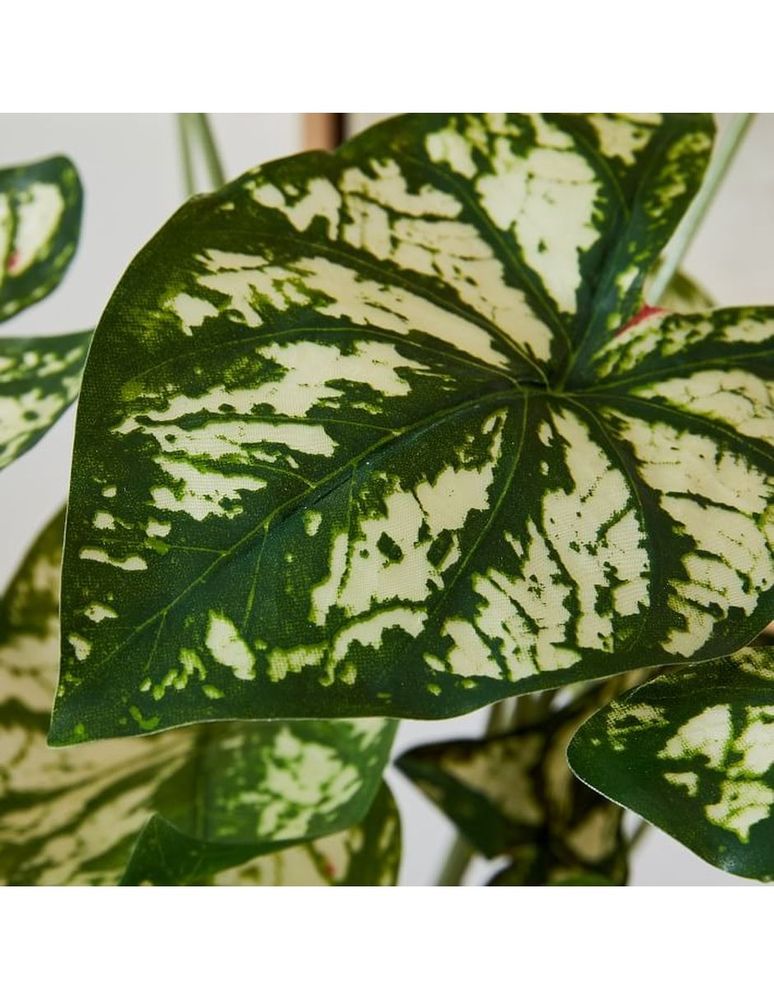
(39, 379)
(693, 753)
(514, 795)
(364, 432)
(535, 865)
(367, 853)
(40, 220)
(71, 816)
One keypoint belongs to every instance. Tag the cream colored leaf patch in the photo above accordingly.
(693, 752)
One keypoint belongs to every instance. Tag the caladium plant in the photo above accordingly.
(393, 433)
(385, 433)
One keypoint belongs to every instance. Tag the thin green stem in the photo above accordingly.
(456, 863)
(639, 832)
(686, 232)
(211, 157)
(186, 160)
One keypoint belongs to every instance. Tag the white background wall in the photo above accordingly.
(129, 167)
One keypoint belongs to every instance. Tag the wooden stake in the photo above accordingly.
(323, 131)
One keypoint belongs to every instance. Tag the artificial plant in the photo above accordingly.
(392, 433)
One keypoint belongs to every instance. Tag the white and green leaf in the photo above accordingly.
(39, 379)
(367, 853)
(362, 432)
(71, 816)
(40, 218)
(693, 753)
(514, 795)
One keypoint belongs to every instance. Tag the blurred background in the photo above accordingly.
(131, 173)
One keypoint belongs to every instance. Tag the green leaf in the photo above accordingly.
(71, 816)
(40, 220)
(39, 379)
(515, 795)
(693, 753)
(363, 431)
(367, 853)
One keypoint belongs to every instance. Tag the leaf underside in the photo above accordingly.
(71, 816)
(693, 753)
(382, 433)
(513, 795)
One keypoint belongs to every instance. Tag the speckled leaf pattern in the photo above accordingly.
(363, 432)
(71, 816)
(693, 752)
(367, 853)
(40, 218)
(39, 379)
(514, 795)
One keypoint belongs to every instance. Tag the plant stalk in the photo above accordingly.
(687, 230)
(195, 135)
(212, 160)
(186, 159)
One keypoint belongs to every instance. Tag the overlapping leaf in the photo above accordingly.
(39, 379)
(693, 752)
(71, 816)
(367, 853)
(362, 431)
(514, 795)
(40, 218)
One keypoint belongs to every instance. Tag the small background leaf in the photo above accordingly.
(40, 218)
(514, 795)
(39, 379)
(367, 853)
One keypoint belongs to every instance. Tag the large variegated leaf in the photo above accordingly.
(367, 853)
(693, 752)
(71, 816)
(514, 795)
(361, 431)
(39, 379)
(40, 219)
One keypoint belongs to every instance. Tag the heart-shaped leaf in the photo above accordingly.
(71, 816)
(367, 853)
(40, 220)
(514, 794)
(693, 752)
(362, 431)
(39, 379)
